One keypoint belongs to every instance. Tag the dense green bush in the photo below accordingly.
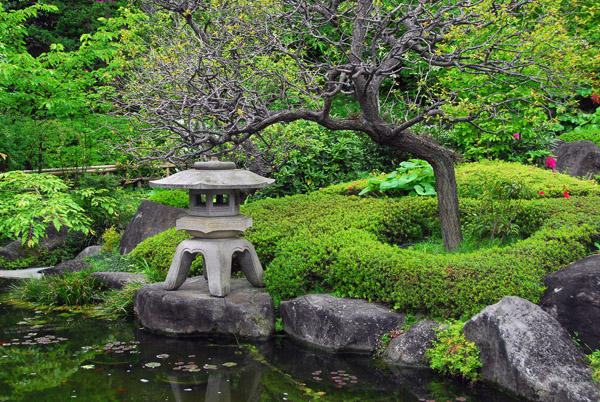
(171, 198)
(312, 157)
(154, 255)
(592, 134)
(536, 180)
(353, 262)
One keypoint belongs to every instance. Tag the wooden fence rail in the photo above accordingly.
(99, 169)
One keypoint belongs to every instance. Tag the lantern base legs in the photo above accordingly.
(217, 255)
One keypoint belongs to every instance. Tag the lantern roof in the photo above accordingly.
(213, 175)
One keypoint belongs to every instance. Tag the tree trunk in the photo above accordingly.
(447, 199)
(442, 161)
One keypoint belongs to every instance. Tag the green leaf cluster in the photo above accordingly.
(453, 355)
(595, 364)
(413, 177)
(592, 134)
(29, 203)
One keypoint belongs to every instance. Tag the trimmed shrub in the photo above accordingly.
(583, 134)
(171, 198)
(355, 263)
(154, 255)
(553, 185)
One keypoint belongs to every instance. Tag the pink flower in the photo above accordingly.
(551, 162)
(517, 136)
(542, 193)
(350, 188)
(566, 195)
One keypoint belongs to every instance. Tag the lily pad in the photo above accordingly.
(210, 367)
(88, 367)
(229, 364)
(152, 364)
(162, 356)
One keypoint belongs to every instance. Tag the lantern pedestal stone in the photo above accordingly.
(217, 255)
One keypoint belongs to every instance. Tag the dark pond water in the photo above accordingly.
(53, 356)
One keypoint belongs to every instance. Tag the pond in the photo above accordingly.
(60, 356)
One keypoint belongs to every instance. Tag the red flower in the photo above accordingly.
(566, 195)
(551, 163)
(542, 193)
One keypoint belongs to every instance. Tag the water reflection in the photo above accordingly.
(96, 360)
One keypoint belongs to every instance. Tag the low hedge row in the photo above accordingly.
(354, 262)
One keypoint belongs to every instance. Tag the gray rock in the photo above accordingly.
(573, 298)
(88, 252)
(578, 158)
(53, 240)
(117, 280)
(246, 312)
(150, 219)
(525, 350)
(67, 266)
(336, 324)
(409, 348)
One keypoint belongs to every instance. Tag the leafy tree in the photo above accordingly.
(227, 70)
(29, 203)
(57, 83)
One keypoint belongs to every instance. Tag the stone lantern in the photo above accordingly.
(215, 222)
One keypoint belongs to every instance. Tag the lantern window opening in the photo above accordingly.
(200, 200)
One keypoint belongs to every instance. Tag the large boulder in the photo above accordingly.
(578, 158)
(150, 219)
(67, 266)
(408, 349)
(573, 298)
(525, 350)
(337, 324)
(89, 252)
(246, 312)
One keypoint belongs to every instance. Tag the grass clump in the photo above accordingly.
(595, 364)
(453, 355)
(70, 289)
(120, 302)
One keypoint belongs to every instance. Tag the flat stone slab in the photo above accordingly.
(26, 273)
(337, 324)
(117, 280)
(246, 312)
